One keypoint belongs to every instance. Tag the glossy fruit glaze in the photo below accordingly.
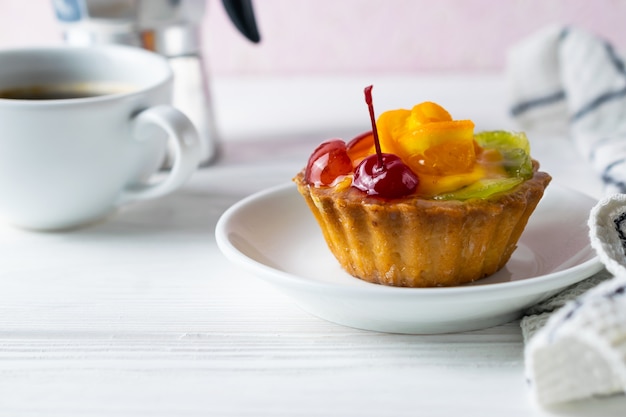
(423, 152)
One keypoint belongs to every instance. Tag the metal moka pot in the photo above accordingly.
(171, 28)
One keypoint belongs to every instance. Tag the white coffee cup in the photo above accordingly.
(66, 162)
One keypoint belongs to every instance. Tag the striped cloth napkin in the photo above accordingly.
(564, 78)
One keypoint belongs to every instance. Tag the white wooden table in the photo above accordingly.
(141, 315)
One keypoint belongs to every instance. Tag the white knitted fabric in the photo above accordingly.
(537, 316)
(580, 351)
(566, 78)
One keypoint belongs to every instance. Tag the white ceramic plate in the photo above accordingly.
(274, 235)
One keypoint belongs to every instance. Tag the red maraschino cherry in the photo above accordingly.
(328, 164)
(383, 174)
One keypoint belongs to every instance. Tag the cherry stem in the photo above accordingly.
(370, 106)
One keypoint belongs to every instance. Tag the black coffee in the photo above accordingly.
(37, 92)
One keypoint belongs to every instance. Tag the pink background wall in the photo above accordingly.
(356, 36)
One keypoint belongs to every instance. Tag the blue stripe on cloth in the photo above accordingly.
(609, 140)
(546, 100)
(618, 65)
(597, 102)
(597, 145)
(608, 179)
(617, 62)
(524, 106)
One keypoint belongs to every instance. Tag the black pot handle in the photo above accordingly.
(241, 14)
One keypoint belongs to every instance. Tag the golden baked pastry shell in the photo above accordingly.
(415, 242)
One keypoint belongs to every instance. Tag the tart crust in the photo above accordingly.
(416, 242)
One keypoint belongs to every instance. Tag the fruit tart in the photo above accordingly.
(422, 200)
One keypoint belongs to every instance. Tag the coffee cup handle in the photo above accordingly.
(185, 147)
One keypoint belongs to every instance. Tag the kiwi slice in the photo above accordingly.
(482, 189)
(515, 150)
